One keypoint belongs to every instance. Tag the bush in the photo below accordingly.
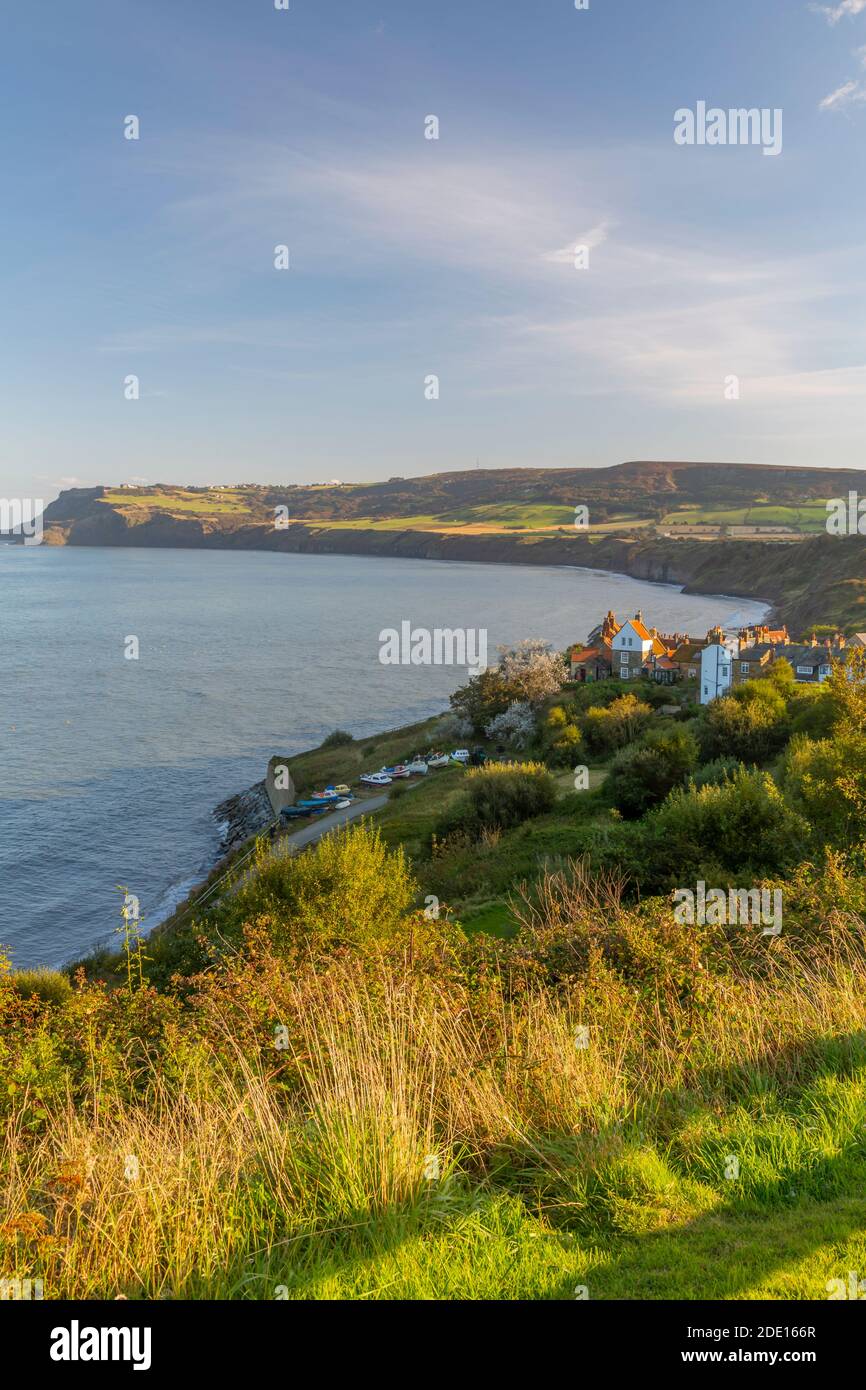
(750, 725)
(346, 890)
(743, 825)
(337, 739)
(714, 773)
(643, 774)
(50, 986)
(826, 781)
(500, 795)
(609, 727)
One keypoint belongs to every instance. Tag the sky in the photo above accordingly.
(718, 313)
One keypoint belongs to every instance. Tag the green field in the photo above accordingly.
(810, 517)
(185, 501)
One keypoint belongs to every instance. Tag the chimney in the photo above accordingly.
(840, 640)
(638, 617)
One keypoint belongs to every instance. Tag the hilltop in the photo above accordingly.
(502, 499)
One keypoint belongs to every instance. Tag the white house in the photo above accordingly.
(631, 647)
(717, 663)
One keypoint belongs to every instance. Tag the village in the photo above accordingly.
(715, 662)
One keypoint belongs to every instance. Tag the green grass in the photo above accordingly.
(199, 504)
(502, 517)
(812, 516)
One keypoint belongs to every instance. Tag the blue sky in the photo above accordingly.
(412, 257)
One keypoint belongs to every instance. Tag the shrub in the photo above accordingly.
(347, 890)
(337, 739)
(643, 774)
(714, 773)
(500, 795)
(742, 825)
(751, 724)
(50, 986)
(609, 727)
(826, 781)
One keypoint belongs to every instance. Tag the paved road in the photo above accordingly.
(287, 844)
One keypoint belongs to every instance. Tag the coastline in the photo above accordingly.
(697, 567)
(247, 813)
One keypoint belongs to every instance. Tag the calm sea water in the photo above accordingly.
(111, 767)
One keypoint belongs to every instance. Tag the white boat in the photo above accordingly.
(416, 765)
(438, 760)
(399, 771)
(376, 779)
(341, 805)
(460, 755)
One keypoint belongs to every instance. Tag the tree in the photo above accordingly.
(847, 690)
(483, 698)
(534, 669)
(516, 726)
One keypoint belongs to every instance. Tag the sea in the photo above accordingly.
(141, 687)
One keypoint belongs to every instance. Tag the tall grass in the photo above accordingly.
(405, 1098)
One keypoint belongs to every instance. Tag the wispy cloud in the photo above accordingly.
(849, 93)
(846, 9)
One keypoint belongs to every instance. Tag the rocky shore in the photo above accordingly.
(242, 815)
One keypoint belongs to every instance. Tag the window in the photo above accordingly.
(744, 668)
(825, 670)
(623, 671)
(804, 670)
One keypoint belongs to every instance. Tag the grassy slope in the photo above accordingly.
(561, 1169)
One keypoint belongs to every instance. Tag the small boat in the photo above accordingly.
(438, 760)
(376, 779)
(399, 771)
(320, 803)
(460, 755)
(341, 805)
(416, 765)
(324, 796)
(295, 812)
(340, 790)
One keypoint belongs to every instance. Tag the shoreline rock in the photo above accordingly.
(244, 814)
